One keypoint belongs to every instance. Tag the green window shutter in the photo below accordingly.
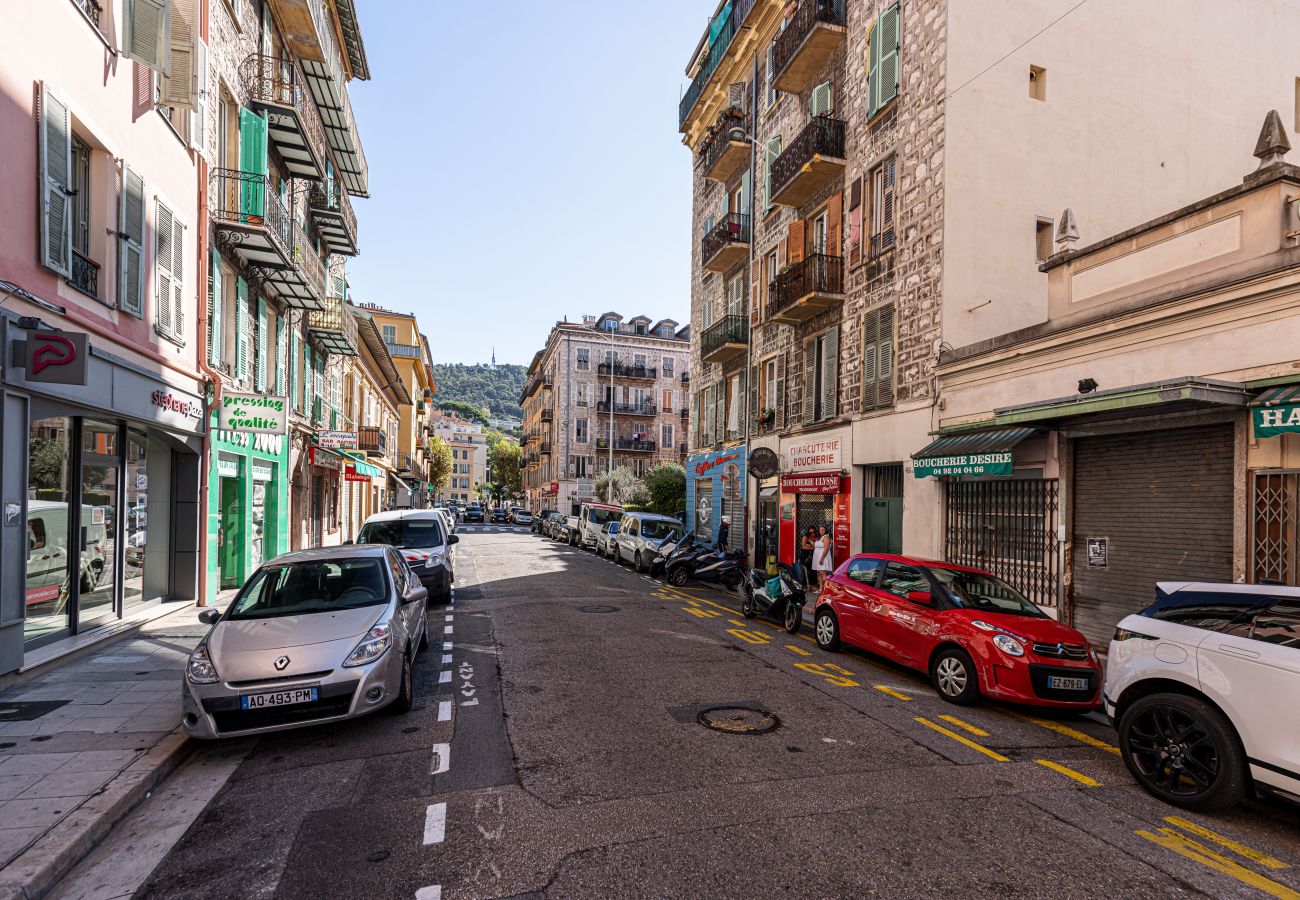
(252, 159)
(279, 355)
(819, 103)
(56, 183)
(293, 370)
(887, 69)
(809, 379)
(870, 380)
(873, 68)
(261, 344)
(744, 192)
(241, 336)
(753, 392)
(308, 378)
(130, 233)
(215, 310)
(830, 372)
(773, 151)
(885, 356)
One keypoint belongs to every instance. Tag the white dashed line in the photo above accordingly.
(446, 659)
(447, 630)
(432, 892)
(446, 646)
(441, 759)
(447, 619)
(444, 710)
(435, 823)
(444, 677)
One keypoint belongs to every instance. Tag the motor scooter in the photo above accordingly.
(675, 544)
(700, 562)
(780, 596)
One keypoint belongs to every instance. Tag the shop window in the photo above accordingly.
(48, 581)
(704, 509)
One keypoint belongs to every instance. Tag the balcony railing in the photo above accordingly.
(810, 162)
(405, 463)
(334, 327)
(372, 440)
(806, 288)
(621, 370)
(410, 350)
(726, 244)
(627, 444)
(544, 448)
(294, 127)
(719, 40)
(686, 378)
(809, 38)
(725, 339)
(721, 155)
(548, 415)
(94, 12)
(626, 409)
(308, 262)
(85, 274)
(332, 210)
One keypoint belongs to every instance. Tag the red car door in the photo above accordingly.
(902, 625)
(856, 588)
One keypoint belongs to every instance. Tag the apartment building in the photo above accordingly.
(468, 446)
(102, 406)
(602, 393)
(879, 181)
(409, 350)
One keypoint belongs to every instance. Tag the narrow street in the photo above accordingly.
(556, 749)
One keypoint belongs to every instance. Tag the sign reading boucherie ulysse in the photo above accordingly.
(998, 463)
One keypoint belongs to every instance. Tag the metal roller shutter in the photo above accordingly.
(1163, 501)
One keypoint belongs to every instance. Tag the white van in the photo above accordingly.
(47, 549)
(592, 518)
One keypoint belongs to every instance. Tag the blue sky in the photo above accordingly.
(525, 165)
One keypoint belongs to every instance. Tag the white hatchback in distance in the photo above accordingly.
(1204, 689)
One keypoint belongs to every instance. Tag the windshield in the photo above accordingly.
(299, 588)
(417, 534)
(657, 529)
(612, 528)
(971, 590)
(601, 516)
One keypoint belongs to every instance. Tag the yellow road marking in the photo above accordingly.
(1227, 843)
(827, 673)
(1072, 733)
(800, 650)
(1069, 773)
(891, 692)
(1184, 846)
(962, 740)
(978, 732)
(749, 637)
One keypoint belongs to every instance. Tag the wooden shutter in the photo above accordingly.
(773, 151)
(308, 379)
(241, 328)
(252, 158)
(809, 380)
(834, 220)
(886, 81)
(56, 183)
(736, 95)
(794, 238)
(885, 356)
(820, 101)
(830, 372)
(147, 33)
(887, 203)
(295, 396)
(780, 390)
(754, 409)
(163, 225)
(130, 235)
(869, 377)
(260, 372)
(199, 121)
(755, 292)
(281, 339)
(178, 280)
(873, 67)
(180, 87)
(216, 309)
(855, 222)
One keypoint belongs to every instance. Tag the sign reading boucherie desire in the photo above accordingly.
(819, 454)
(254, 413)
(998, 463)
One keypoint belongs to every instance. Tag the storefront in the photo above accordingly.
(715, 487)
(1273, 460)
(87, 430)
(815, 492)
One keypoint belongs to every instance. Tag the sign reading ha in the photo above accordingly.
(1270, 421)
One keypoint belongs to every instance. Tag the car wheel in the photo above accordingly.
(1184, 751)
(406, 696)
(793, 619)
(826, 628)
(678, 577)
(638, 563)
(954, 677)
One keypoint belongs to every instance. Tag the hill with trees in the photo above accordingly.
(495, 389)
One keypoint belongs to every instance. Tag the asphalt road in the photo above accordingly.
(556, 751)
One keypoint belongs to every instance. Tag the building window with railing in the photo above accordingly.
(85, 272)
(882, 207)
(584, 359)
(580, 433)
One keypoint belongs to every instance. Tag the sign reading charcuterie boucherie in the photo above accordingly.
(998, 463)
(1270, 421)
(256, 413)
(823, 453)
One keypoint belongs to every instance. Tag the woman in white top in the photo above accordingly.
(823, 554)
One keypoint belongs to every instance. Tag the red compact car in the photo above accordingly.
(970, 630)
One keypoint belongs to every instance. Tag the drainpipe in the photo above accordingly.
(753, 237)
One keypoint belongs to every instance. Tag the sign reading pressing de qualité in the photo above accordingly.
(1270, 421)
(252, 413)
(998, 463)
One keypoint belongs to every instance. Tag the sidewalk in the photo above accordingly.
(84, 742)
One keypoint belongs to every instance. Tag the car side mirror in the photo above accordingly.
(210, 616)
(419, 592)
(922, 597)
(453, 539)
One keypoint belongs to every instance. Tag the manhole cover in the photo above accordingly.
(738, 719)
(598, 608)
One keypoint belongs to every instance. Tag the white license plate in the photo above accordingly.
(1067, 684)
(278, 698)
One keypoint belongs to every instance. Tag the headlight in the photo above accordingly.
(1122, 634)
(200, 669)
(374, 645)
(1008, 645)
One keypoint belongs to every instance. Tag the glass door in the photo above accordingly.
(135, 521)
(97, 533)
(49, 583)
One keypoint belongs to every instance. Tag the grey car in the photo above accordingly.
(639, 536)
(314, 636)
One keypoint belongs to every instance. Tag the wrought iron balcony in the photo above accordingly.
(404, 462)
(811, 35)
(686, 378)
(275, 87)
(529, 437)
(93, 10)
(812, 161)
(334, 328)
(621, 370)
(626, 409)
(252, 223)
(332, 210)
(726, 244)
(719, 41)
(372, 440)
(627, 445)
(85, 274)
(721, 155)
(806, 288)
(409, 350)
(544, 448)
(725, 340)
(548, 415)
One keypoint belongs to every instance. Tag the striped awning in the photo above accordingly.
(977, 442)
(1276, 396)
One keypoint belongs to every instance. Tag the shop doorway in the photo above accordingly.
(766, 535)
(100, 504)
(1275, 535)
(257, 526)
(1009, 527)
(882, 509)
(317, 509)
(232, 532)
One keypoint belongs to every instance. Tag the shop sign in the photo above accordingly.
(55, 357)
(323, 460)
(1098, 553)
(260, 471)
(998, 463)
(555, 488)
(350, 473)
(763, 463)
(173, 403)
(337, 440)
(270, 444)
(1270, 421)
(227, 468)
(819, 454)
(252, 413)
(704, 466)
(812, 483)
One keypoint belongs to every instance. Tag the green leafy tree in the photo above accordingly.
(628, 489)
(504, 458)
(494, 388)
(666, 486)
(439, 455)
(465, 410)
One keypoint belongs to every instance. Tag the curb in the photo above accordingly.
(42, 865)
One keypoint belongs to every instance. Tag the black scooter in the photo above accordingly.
(700, 562)
(787, 604)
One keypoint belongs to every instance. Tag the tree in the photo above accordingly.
(666, 485)
(465, 410)
(628, 489)
(439, 455)
(504, 458)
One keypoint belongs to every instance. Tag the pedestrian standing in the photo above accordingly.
(724, 534)
(806, 546)
(823, 555)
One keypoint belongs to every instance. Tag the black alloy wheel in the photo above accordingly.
(793, 618)
(1184, 751)
(678, 577)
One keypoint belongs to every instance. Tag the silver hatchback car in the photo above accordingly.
(314, 636)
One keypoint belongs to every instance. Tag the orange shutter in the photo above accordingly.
(834, 218)
(794, 242)
(755, 292)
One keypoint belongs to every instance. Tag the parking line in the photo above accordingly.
(978, 732)
(446, 630)
(962, 740)
(446, 659)
(444, 677)
(441, 759)
(444, 710)
(1184, 846)
(432, 892)
(1069, 773)
(446, 646)
(897, 695)
(800, 650)
(447, 618)
(1072, 733)
(1227, 843)
(435, 823)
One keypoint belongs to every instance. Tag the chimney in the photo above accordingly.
(1273, 144)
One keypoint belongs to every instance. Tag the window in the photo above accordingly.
(580, 395)
(580, 433)
(821, 101)
(390, 334)
(882, 207)
(773, 267)
(736, 296)
(584, 359)
(855, 222)
(900, 580)
(772, 388)
(1038, 82)
(666, 401)
(821, 370)
(1042, 238)
(666, 436)
(819, 233)
(773, 151)
(667, 365)
(1279, 625)
(878, 359)
(882, 61)
(581, 466)
(706, 317)
(772, 93)
(81, 199)
(130, 253)
(638, 361)
(169, 299)
(865, 571)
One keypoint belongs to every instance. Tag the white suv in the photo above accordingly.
(1204, 689)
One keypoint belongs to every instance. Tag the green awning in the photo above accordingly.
(977, 453)
(1276, 396)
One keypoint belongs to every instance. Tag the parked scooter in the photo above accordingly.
(700, 562)
(780, 595)
(675, 544)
